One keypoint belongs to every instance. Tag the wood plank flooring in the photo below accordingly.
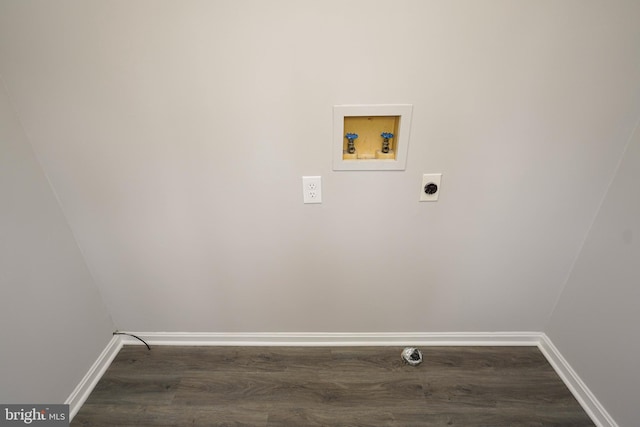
(337, 386)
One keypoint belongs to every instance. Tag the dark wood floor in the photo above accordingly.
(338, 386)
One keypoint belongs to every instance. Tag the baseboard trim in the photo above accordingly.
(91, 378)
(581, 392)
(337, 339)
(577, 387)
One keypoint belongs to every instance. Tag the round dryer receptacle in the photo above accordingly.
(430, 188)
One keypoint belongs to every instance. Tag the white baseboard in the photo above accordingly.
(581, 392)
(577, 387)
(91, 378)
(337, 339)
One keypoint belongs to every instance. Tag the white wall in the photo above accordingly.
(53, 324)
(176, 133)
(595, 324)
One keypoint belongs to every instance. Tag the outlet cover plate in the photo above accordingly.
(428, 178)
(312, 189)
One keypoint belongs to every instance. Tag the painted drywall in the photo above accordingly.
(595, 324)
(176, 135)
(53, 325)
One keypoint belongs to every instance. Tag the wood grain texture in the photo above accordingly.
(321, 386)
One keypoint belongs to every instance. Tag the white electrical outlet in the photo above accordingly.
(430, 188)
(312, 189)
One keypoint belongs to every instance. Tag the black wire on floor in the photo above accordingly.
(131, 335)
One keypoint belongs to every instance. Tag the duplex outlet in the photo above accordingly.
(312, 189)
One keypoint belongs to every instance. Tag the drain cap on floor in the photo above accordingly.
(412, 356)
